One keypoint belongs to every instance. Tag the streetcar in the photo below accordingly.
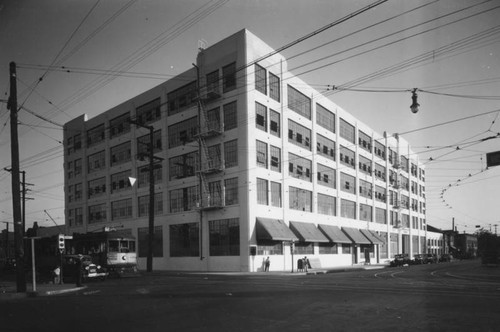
(113, 250)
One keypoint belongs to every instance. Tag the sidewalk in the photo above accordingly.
(8, 290)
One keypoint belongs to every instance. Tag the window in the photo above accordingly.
(262, 192)
(346, 248)
(96, 161)
(365, 212)
(379, 149)
(230, 116)
(185, 240)
(328, 248)
(120, 153)
(79, 216)
(325, 118)
(275, 194)
(144, 142)
(97, 213)
(78, 166)
(143, 236)
(275, 159)
(143, 175)
(70, 169)
(260, 79)
(182, 132)
(182, 98)
(184, 199)
(261, 116)
(274, 87)
(212, 121)
(300, 199)
(347, 183)
(365, 165)
(143, 205)
(231, 153)
(299, 167)
(229, 77)
(78, 192)
(224, 237)
(96, 188)
(231, 190)
(213, 82)
(365, 189)
(261, 154)
(380, 194)
(347, 157)
(274, 125)
(182, 166)
(120, 181)
(95, 135)
(347, 131)
(212, 159)
(380, 172)
(299, 103)
(380, 216)
(119, 125)
(149, 112)
(365, 141)
(325, 147)
(327, 205)
(121, 209)
(299, 135)
(347, 209)
(326, 176)
(269, 247)
(214, 197)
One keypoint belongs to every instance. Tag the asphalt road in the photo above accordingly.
(459, 296)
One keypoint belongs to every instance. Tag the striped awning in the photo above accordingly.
(334, 234)
(274, 229)
(355, 235)
(369, 235)
(307, 232)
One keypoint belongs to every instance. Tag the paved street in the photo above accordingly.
(459, 296)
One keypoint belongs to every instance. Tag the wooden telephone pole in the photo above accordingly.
(16, 194)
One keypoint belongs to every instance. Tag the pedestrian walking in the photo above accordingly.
(267, 264)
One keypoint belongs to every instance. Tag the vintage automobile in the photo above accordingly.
(430, 259)
(89, 269)
(401, 260)
(418, 259)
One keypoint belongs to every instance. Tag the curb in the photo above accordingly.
(13, 295)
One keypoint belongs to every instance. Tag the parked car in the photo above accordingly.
(89, 269)
(445, 258)
(401, 260)
(430, 259)
(418, 259)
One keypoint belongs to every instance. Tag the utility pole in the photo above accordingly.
(16, 194)
(151, 224)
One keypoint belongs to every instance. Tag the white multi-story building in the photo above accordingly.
(249, 159)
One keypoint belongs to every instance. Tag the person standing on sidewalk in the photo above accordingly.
(267, 264)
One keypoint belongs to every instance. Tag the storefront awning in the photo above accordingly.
(355, 235)
(334, 234)
(379, 237)
(273, 229)
(307, 232)
(369, 235)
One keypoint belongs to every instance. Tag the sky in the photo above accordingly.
(86, 56)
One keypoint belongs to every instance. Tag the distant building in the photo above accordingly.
(250, 162)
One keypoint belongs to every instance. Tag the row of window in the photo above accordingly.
(150, 112)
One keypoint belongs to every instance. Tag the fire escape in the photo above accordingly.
(210, 163)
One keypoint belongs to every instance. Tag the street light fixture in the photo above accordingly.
(414, 106)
